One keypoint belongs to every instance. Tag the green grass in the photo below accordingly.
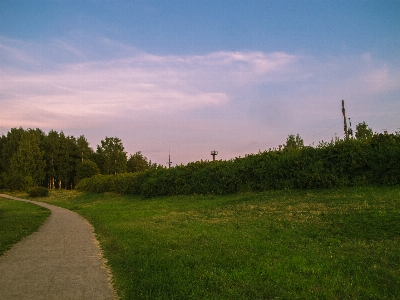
(18, 220)
(328, 244)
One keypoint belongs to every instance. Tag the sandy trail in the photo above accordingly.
(61, 260)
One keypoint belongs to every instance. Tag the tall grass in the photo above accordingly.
(288, 244)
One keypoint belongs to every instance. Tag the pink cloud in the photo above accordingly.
(238, 102)
(142, 82)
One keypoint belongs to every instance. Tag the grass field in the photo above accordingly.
(18, 220)
(328, 244)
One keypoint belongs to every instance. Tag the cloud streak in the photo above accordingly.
(141, 82)
(241, 99)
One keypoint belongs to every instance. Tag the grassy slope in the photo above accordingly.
(18, 220)
(329, 244)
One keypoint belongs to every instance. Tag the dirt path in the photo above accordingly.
(60, 261)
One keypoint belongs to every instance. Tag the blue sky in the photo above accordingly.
(194, 76)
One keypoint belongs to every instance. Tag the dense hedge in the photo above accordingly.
(375, 161)
(38, 191)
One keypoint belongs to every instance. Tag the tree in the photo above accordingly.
(86, 169)
(52, 151)
(363, 132)
(3, 141)
(68, 158)
(62, 155)
(27, 162)
(137, 163)
(10, 147)
(294, 142)
(84, 150)
(110, 156)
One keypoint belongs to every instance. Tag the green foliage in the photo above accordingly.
(139, 163)
(10, 147)
(294, 142)
(16, 181)
(329, 165)
(96, 184)
(86, 169)
(111, 156)
(68, 159)
(38, 191)
(28, 159)
(85, 151)
(3, 142)
(52, 147)
(62, 154)
(363, 131)
(31, 158)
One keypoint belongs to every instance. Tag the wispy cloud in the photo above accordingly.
(381, 80)
(243, 100)
(14, 52)
(141, 82)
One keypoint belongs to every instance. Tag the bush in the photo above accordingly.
(86, 169)
(16, 182)
(97, 184)
(374, 161)
(38, 191)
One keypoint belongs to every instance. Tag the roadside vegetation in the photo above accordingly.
(371, 161)
(308, 222)
(30, 158)
(18, 220)
(287, 244)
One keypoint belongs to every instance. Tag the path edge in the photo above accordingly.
(5, 196)
(95, 241)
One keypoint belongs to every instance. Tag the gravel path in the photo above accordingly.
(60, 261)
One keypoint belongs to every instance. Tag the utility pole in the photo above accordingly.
(346, 133)
(169, 159)
(213, 153)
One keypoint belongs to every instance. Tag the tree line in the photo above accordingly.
(340, 163)
(54, 160)
(366, 159)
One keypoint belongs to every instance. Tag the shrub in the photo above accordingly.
(38, 191)
(374, 161)
(17, 182)
(97, 184)
(86, 169)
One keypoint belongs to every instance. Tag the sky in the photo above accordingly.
(188, 77)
